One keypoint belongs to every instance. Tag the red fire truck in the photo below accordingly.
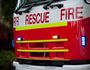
(52, 32)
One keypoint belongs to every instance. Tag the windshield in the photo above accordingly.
(28, 4)
(26, 1)
(34, 1)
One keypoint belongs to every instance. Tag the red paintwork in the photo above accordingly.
(74, 31)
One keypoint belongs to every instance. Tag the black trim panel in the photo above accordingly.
(53, 63)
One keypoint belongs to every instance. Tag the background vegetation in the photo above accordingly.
(7, 55)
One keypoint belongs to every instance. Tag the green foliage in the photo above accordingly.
(8, 7)
(6, 59)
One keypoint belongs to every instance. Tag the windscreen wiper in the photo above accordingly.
(30, 7)
(26, 10)
(53, 1)
(17, 10)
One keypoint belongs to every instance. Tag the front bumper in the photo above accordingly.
(64, 67)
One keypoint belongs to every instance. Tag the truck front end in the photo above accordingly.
(52, 32)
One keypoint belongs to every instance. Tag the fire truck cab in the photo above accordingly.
(47, 31)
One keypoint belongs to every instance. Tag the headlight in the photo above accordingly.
(19, 38)
(55, 37)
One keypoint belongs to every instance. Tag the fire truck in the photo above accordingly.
(52, 32)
